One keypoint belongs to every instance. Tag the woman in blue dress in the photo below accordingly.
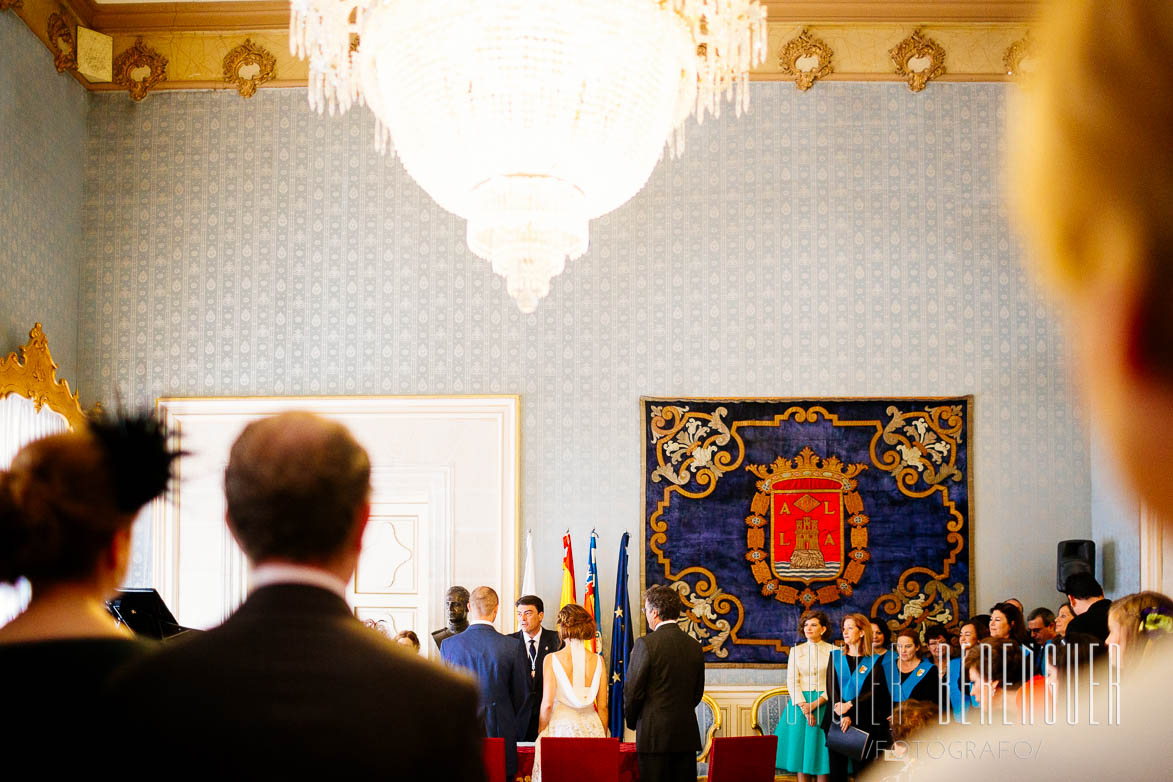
(858, 696)
(1007, 623)
(961, 700)
(911, 677)
(802, 744)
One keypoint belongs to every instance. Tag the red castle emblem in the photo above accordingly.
(806, 529)
(817, 529)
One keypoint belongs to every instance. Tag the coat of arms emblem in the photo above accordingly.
(807, 526)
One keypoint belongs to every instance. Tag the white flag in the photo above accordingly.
(529, 584)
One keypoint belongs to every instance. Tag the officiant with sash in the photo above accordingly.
(911, 677)
(538, 643)
(859, 701)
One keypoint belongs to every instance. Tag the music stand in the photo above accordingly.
(144, 612)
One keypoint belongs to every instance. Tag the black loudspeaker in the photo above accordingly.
(1075, 556)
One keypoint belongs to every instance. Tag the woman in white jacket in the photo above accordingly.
(802, 745)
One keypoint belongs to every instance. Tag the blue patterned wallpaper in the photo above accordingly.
(42, 145)
(849, 241)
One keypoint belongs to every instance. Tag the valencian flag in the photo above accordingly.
(569, 593)
(590, 600)
(622, 639)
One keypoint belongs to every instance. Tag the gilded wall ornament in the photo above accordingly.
(1017, 58)
(63, 42)
(806, 59)
(918, 60)
(248, 66)
(6, 4)
(139, 69)
(33, 375)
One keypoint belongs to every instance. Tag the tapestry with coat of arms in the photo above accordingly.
(758, 509)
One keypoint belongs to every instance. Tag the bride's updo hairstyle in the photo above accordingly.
(575, 622)
(65, 496)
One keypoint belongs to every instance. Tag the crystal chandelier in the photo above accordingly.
(529, 118)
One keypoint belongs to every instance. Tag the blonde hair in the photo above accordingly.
(1092, 155)
(865, 629)
(1144, 618)
(483, 601)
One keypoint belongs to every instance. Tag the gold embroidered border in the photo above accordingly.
(908, 592)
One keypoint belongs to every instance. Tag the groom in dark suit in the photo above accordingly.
(501, 667)
(292, 684)
(538, 642)
(665, 682)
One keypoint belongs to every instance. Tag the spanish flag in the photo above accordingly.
(569, 593)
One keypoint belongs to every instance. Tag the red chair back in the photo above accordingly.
(743, 759)
(493, 752)
(580, 760)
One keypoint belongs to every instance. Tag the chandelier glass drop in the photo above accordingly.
(529, 118)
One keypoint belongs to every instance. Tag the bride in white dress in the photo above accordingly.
(570, 706)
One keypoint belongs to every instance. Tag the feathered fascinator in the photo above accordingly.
(137, 456)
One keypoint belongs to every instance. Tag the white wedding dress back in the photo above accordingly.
(574, 712)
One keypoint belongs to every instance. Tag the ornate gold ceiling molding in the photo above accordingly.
(918, 60)
(1017, 60)
(260, 15)
(239, 65)
(33, 375)
(861, 49)
(115, 18)
(63, 42)
(806, 59)
(926, 11)
(139, 69)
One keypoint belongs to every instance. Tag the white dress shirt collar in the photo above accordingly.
(271, 573)
(536, 637)
(663, 622)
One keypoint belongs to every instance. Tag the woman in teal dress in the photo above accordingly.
(802, 744)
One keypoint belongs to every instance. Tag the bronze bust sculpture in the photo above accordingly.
(457, 601)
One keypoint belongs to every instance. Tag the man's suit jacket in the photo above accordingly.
(665, 682)
(292, 684)
(548, 643)
(1092, 624)
(501, 668)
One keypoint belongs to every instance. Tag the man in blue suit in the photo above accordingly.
(501, 667)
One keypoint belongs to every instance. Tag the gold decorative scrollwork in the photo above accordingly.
(1018, 53)
(913, 604)
(924, 448)
(806, 59)
(63, 43)
(701, 614)
(687, 446)
(33, 375)
(6, 4)
(247, 56)
(132, 61)
(918, 60)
